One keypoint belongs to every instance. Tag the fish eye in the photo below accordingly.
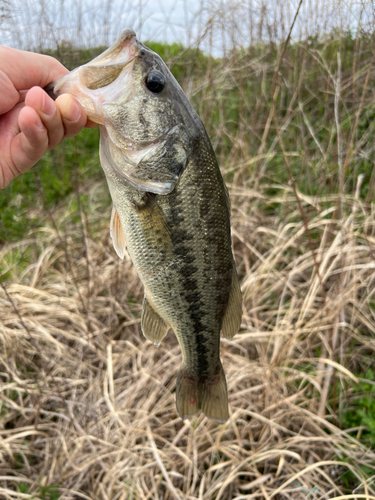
(155, 82)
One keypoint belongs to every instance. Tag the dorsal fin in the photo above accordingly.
(233, 314)
(117, 234)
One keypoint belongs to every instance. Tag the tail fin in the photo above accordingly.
(209, 395)
(215, 397)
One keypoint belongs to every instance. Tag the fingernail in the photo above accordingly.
(49, 106)
(74, 111)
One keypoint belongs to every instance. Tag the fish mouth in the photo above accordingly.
(91, 83)
(103, 87)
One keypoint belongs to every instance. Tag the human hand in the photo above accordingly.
(30, 121)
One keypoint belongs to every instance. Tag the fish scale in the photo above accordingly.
(171, 210)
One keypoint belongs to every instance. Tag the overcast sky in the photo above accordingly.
(31, 24)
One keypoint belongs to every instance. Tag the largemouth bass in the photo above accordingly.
(170, 210)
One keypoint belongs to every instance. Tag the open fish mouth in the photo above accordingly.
(91, 83)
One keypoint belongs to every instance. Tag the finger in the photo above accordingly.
(91, 124)
(73, 116)
(9, 96)
(20, 70)
(30, 144)
(49, 113)
(26, 69)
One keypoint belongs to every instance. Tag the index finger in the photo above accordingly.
(28, 69)
(19, 71)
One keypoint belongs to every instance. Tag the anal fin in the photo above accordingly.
(117, 234)
(154, 327)
(209, 395)
(233, 314)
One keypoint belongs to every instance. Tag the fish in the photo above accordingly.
(171, 211)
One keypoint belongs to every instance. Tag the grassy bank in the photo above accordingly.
(87, 405)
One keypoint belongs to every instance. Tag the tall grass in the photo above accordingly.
(87, 405)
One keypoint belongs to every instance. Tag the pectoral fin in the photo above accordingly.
(154, 328)
(233, 314)
(117, 234)
(154, 224)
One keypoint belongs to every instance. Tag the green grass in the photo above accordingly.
(361, 412)
(25, 202)
(45, 492)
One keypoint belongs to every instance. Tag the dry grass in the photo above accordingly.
(88, 403)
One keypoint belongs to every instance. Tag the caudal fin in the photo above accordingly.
(215, 397)
(209, 395)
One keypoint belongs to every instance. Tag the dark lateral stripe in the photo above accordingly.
(196, 315)
(181, 241)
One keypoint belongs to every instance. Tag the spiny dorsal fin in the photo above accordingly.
(117, 234)
(154, 328)
(233, 314)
